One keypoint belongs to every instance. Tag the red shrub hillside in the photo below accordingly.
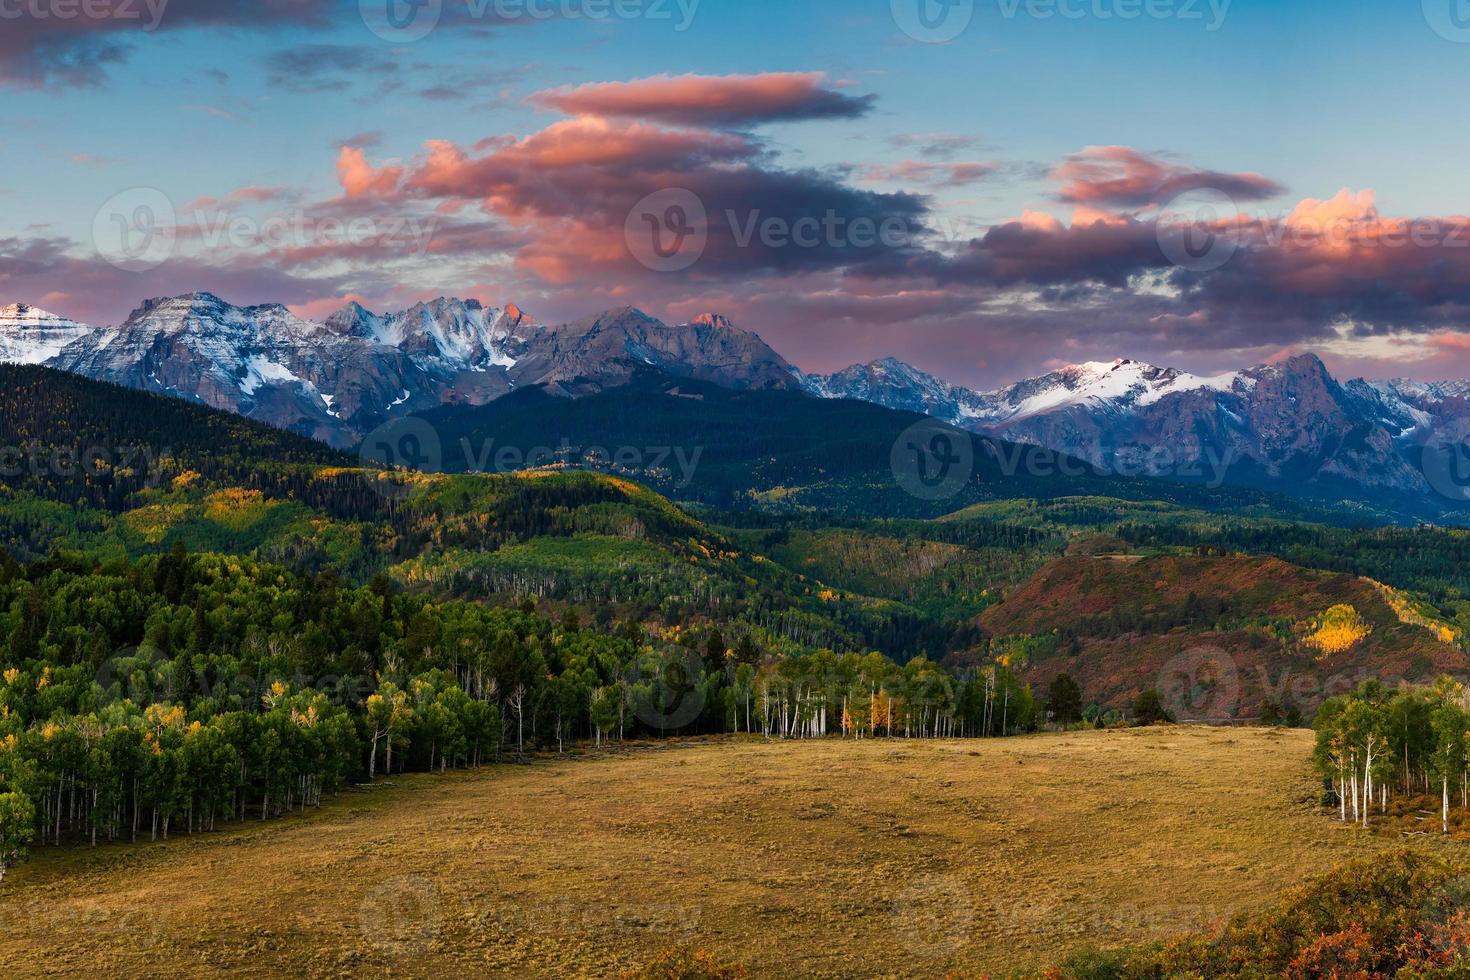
(1218, 635)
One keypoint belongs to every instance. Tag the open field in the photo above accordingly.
(813, 858)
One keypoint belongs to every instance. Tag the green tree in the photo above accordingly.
(17, 829)
(1148, 709)
(1064, 700)
(1449, 760)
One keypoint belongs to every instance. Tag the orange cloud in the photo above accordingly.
(359, 178)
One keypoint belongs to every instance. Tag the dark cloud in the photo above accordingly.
(56, 273)
(41, 51)
(308, 68)
(574, 185)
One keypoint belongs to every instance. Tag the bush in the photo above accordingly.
(1402, 914)
(1148, 709)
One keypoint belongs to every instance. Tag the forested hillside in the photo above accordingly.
(72, 440)
(240, 624)
(163, 695)
(784, 452)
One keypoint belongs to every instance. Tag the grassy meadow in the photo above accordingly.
(822, 858)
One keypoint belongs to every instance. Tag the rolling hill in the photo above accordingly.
(784, 452)
(208, 481)
(1217, 635)
(824, 546)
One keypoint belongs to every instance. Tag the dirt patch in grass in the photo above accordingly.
(874, 858)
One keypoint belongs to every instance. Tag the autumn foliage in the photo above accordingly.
(1403, 914)
(1339, 630)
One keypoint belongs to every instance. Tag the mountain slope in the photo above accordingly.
(76, 441)
(894, 384)
(780, 451)
(105, 472)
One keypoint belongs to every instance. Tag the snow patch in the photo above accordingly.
(261, 370)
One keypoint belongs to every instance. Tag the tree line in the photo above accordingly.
(158, 696)
(1377, 744)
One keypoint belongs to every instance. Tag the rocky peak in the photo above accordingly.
(30, 335)
(24, 316)
(715, 321)
(352, 320)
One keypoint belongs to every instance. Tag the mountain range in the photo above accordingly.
(337, 379)
(1289, 426)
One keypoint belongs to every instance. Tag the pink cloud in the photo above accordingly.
(360, 179)
(710, 100)
(243, 195)
(930, 173)
(1123, 176)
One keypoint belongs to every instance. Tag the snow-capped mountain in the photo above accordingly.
(336, 380)
(1412, 408)
(32, 336)
(1116, 386)
(1290, 426)
(262, 362)
(455, 333)
(1280, 422)
(894, 384)
(1108, 386)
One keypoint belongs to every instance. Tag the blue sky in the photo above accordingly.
(1314, 96)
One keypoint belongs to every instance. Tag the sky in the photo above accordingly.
(989, 189)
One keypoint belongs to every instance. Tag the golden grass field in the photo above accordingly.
(830, 858)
